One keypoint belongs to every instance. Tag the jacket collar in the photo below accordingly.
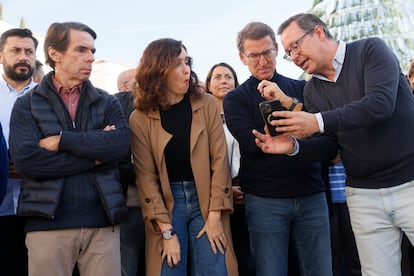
(47, 84)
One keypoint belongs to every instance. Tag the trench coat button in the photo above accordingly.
(147, 200)
(226, 190)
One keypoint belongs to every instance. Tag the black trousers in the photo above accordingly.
(241, 241)
(345, 259)
(13, 251)
(407, 263)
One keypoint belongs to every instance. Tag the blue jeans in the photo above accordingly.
(188, 221)
(379, 217)
(271, 221)
(133, 243)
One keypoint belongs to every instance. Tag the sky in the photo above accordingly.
(125, 27)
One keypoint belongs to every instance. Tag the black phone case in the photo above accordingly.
(266, 109)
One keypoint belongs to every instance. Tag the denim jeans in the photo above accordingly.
(188, 221)
(133, 243)
(378, 218)
(271, 221)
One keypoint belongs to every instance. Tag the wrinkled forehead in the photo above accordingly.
(258, 45)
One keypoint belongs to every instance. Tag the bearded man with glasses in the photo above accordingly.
(284, 194)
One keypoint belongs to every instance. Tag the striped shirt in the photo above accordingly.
(337, 179)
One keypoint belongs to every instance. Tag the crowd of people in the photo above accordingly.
(175, 176)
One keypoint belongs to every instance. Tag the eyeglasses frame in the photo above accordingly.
(296, 49)
(270, 53)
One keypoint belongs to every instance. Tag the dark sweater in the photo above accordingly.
(371, 109)
(267, 175)
(176, 120)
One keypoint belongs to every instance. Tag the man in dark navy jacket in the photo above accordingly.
(284, 195)
(65, 139)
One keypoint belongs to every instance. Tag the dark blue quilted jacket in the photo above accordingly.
(66, 189)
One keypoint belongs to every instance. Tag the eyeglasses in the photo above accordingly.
(295, 49)
(255, 57)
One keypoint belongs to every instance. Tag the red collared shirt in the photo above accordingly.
(70, 96)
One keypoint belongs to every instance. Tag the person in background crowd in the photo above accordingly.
(66, 137)
(126, 80)
(372, 118)
(180, 158)
(132, 231)
(38, 72)
(18, 56)
(221, 79)
(407, 247)
(4, 165)
(284, 194)
(410, 75)
(345, 257)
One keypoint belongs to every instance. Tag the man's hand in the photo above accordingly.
(50, 143)
(238, 195)
(271, 91)
(298, 124)
(280, 144)
(109, 127)
(337, 159)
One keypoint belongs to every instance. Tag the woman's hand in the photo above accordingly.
(214, 230)
(171, 251)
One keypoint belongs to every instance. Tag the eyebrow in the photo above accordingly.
(82, 48)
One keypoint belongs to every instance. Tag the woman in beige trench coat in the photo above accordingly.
(180, 157)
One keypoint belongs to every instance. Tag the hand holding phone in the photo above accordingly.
(266, 109)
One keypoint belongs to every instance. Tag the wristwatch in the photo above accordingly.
(294, 103)
(167, 234)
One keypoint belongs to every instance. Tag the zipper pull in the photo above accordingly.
(73, 124)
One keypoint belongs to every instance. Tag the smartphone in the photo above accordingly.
(266, 109)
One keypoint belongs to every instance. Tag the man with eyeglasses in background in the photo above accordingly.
(284, 194)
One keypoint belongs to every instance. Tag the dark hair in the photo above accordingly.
(411, 69)
(307, 22)
(157, 60)
(210, 74)
(17, 32)
(58, 37)
(38, 64)
(254, 31)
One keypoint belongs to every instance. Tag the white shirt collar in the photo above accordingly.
(5, 86)
(337, 62)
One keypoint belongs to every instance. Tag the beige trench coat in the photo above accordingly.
(210, 169)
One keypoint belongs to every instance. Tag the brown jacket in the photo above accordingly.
(210, 169)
